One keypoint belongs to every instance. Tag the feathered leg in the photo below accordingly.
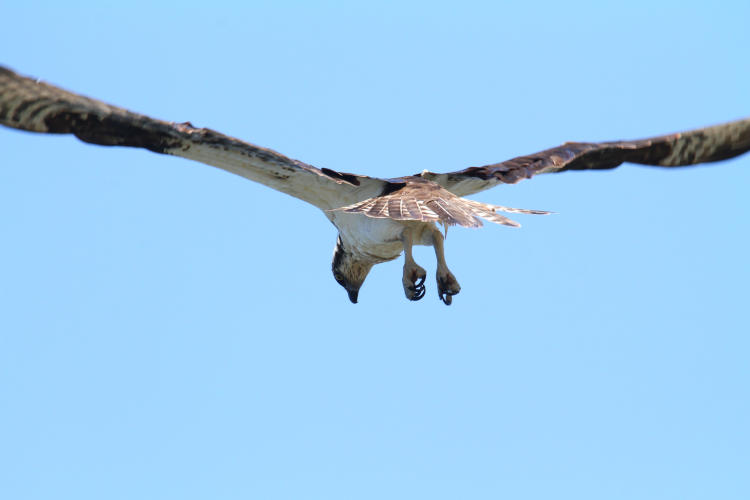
(447, 284)
(414, 275)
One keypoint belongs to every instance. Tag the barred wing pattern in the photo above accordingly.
(428, 202)
(31, 105)
(704, 145)
(34, 106)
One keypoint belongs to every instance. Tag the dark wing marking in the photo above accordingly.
(704, 145)
(28, 104)
(423, 201)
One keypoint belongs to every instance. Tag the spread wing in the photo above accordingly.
(676, 150)
(29, 104)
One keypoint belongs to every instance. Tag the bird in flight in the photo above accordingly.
(377, 219)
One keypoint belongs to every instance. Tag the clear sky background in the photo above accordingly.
(172, 331)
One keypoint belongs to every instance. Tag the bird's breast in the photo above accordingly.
(377, 238)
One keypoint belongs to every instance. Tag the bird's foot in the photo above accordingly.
(413, 281)
(447, 286)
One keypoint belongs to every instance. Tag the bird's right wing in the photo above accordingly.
(675, 150)
(28, 104)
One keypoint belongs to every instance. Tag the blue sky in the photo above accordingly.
(168, 330)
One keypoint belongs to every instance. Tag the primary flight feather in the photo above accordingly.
(377, 219)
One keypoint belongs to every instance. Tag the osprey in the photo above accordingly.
(377, 219)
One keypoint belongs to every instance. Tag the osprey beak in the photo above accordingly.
(352, 295)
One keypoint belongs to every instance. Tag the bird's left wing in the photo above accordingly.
(675, 150)
(29, 104)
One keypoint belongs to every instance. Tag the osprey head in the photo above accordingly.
(348, 270)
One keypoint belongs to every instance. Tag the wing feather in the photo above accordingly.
(709, 144)
(34, 106)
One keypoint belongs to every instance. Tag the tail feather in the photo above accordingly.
(447, 209)
(511, 210)
(454, 214)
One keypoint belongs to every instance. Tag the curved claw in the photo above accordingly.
(447, 298)
(418, 290)
(413, 282)
(447, 288)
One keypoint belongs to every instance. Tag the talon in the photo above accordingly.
(446, 297)
(413, 281)
(418, 292)
(447, 288)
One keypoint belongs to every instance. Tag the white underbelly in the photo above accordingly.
(376, 238)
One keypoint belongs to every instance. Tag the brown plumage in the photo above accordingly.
(424, 201)
(705, 145)
(377, 219)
